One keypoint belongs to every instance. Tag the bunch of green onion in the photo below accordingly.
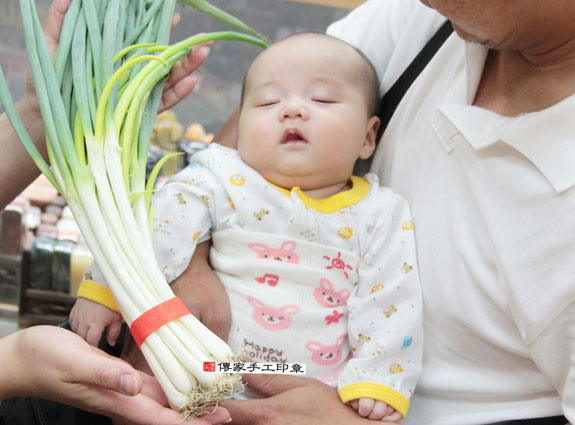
(99, 97)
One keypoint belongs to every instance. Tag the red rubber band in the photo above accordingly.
(156, 317)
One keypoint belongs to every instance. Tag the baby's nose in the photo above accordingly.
(294, 108)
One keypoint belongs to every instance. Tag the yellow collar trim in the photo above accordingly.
(358, 191)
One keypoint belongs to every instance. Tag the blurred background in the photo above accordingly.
(220, 82)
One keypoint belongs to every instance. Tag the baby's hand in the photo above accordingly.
(375, 409)
(89, 319)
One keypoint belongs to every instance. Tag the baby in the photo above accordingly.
(319, 265)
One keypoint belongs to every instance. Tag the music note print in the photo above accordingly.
(268, 278)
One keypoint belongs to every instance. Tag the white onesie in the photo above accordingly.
(329, 283)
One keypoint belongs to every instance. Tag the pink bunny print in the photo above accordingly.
(273, 319)
(285, 253)
(333, 317)
(329, 297)
(326, 355)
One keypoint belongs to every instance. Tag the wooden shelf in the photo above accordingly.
(49, 295)
(41, 306)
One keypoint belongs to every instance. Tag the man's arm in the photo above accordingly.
(17, 170)
(228, 135)
(203, 293)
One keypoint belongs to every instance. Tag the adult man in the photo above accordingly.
(482, 147)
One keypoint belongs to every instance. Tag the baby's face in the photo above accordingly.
(305, 120)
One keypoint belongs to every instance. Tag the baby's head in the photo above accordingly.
(308, 112)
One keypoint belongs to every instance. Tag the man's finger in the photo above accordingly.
(176, 20)
(187, 65)
(108, 372)
(174, 94)
(244, 412)
(139, 410)
(270, 385)
(151, 388)
(55, 17)
(218, 416)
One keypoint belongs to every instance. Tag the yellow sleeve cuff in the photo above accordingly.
(99, 294)
(377, 392)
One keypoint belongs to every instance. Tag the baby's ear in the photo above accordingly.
(370, 138)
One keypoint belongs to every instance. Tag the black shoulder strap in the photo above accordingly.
(391, 99)
(388, 103)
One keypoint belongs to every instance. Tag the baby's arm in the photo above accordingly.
(95, 310)
(89, 319)
(384, 313)
(375, 409)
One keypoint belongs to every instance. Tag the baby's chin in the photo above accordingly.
(288, 173)
(283, 182)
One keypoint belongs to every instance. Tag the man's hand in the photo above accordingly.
(292, 400)
(52, 27)
(180, 82)
(53, 23)
(57, 364)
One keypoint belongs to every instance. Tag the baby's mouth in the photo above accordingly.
(293, 135)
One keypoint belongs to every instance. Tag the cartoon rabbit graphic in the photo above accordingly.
(273, 319)
(327, 296)
(326, 355)
(285, 253)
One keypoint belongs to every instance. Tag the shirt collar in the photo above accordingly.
(546, 138)
(475, 55)
(358, 191)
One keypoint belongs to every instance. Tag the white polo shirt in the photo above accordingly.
(494, 202)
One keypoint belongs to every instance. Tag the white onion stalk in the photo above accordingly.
(97, 104)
